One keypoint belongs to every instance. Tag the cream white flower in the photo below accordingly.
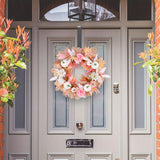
(89, 63)
(94, 76)
(61, 73)
(65, 63)
(87, 87)
(95, 65)
(71, 52)
(73, 89)
(61, 81)
(67, 85)
(100, 79)
(53, 79)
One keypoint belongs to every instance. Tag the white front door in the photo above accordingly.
(99, 114)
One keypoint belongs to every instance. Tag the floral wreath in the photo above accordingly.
(67, 61)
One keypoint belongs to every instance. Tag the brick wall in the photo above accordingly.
(2, 7)
(157, 37)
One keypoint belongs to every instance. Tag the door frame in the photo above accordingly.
(122, 24)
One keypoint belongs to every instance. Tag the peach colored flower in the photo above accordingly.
(81, 92)
(3, 92)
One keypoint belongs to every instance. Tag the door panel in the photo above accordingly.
(99, 113)
(60, 116)
(141, 105)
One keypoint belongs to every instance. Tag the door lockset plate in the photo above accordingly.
(116, 88)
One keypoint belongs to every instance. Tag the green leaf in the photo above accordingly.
(2, 34)
(149, 45)
(11, 38)
(11, 96)
(26, 59)
(21, 65)
(4, 99)
(23, 48)
(158, 86)
(148, 63)
(149, 69)
(138, 63)
(150, 89)
(1, 68)
(10, 56)
(154, 79)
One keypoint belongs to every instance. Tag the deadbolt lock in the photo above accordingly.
(116, 88)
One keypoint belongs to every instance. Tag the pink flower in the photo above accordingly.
(61, 56)
(3, 92)
(90, 70)
(81, 92)
(79, 57)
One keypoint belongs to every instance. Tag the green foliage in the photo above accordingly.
(12, 56)
(151, 58)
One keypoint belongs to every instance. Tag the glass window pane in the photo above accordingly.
(139, 88)
(20, 99)
(60, 102)
(139, 9)
(20, 10)
(58, 11)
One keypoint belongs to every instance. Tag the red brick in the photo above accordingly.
(1, 127)
(2, 118)
(157, 118)
(158, 109)
(158, 152)
(1, 145)
(2, 153)
(158, 101)
(158, 135)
